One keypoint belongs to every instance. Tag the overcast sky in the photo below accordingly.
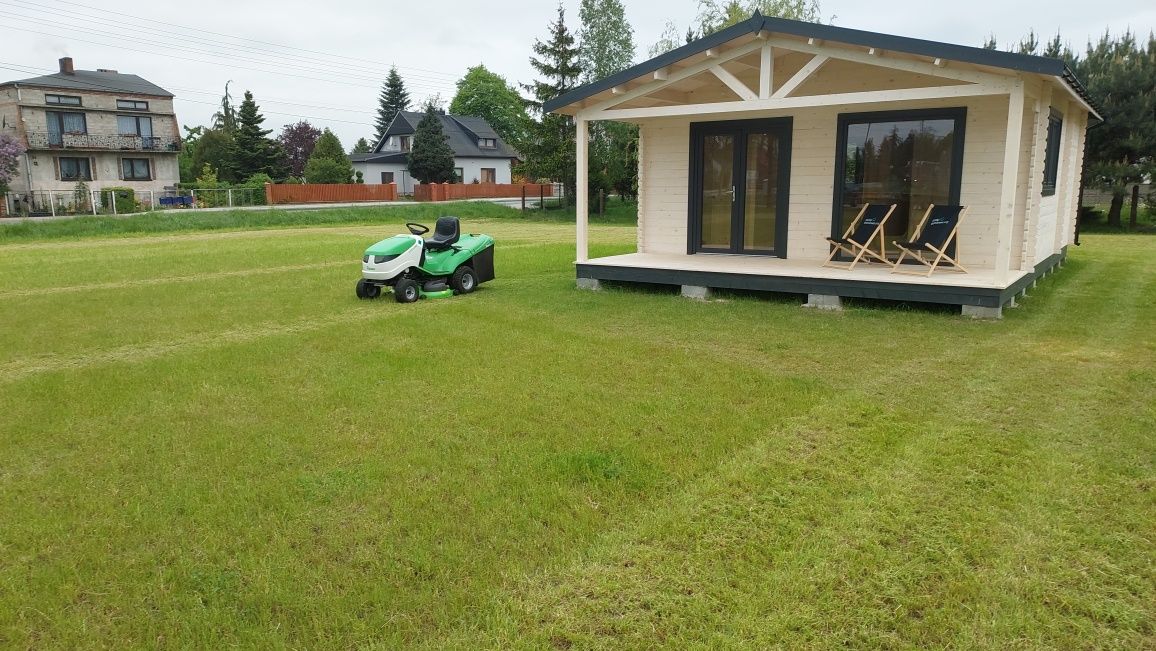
(325, 61)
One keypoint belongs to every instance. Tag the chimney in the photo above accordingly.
(66, 66)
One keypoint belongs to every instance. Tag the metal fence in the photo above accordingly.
(64, 203)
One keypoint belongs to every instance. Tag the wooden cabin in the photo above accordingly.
(758, 142)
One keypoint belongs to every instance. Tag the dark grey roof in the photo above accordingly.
(93, 80)
(757, 23)
(477, 126)
(463, 132)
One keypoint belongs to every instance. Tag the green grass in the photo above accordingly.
(173, 221)
(208, 442)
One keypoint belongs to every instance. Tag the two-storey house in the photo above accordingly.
(99, 127)
(480, 154)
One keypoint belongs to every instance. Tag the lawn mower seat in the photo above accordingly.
(446, 234)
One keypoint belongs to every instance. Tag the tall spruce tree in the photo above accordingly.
(607, 47)
(431, 160)
(393, 99)
(254, 151)
(549, 150)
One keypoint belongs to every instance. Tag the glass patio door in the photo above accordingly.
(740, 175)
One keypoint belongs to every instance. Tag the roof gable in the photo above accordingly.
(824, 33)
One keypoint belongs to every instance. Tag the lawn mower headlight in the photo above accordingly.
(365, 259)
(378, 259)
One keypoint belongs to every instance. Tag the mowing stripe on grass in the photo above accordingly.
(21, 368)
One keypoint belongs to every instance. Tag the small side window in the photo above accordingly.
(1052, 153)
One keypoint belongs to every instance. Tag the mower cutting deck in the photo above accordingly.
(443, 265)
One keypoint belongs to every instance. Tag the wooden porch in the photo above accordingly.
(980, 288)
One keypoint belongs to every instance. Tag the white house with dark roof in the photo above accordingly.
(101, 127)
(760, 144)
(480, 154)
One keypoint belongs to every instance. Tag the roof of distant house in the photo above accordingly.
(463, 131)
(96, 81)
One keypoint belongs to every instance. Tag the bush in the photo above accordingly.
(325, 170)
(123, 198)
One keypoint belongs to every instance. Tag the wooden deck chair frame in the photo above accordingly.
(864, 250)
(941, 256)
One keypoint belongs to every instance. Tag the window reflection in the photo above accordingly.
(905, 162)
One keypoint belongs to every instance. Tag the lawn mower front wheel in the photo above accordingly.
(366, 290)
(405, 291)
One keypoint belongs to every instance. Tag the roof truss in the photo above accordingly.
(960, 81)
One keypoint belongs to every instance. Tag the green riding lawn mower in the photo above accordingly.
(440, 266)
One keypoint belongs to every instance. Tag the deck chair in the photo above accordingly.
(934, 236)
(856, 242)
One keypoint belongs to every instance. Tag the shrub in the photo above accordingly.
(124, 199)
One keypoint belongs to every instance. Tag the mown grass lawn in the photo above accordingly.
(206, 441)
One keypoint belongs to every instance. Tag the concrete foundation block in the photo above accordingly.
(592, 284)
(824, 302)
(978, 312)
(696, 292)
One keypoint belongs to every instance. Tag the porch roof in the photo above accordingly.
(603, 88)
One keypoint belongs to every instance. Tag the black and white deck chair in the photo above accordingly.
(863, 231)
(932, 240)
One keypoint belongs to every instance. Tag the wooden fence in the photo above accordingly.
(459, 191)
(329, 192)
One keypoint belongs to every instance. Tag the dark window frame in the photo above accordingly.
(48, 99)
(488, 143)
(126, 177)
(783, 128)
(136, 120)
(1052, 152)
(845, 120)
(79, 176)
(131, 105)
(391, 178)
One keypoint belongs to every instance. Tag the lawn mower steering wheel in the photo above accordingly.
(417, 229)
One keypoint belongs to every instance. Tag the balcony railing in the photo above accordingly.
(46, 140)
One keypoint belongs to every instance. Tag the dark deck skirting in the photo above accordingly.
(897, 291)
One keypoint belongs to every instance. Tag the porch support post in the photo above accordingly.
(581, 189)
(766, 72)
(1010, 181)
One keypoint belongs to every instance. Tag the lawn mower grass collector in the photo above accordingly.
(443, 265)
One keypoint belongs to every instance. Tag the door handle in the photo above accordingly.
(732, 194)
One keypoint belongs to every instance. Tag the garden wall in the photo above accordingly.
(459, 191)
(329, 192)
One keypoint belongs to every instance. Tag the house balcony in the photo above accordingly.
(38, 140)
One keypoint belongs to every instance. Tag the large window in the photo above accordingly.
(387, 177)
(1052, 154)
(61, 124)
(489, 175)
(135, 169)
(908, 158)
(134, 125)
(74, 169)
